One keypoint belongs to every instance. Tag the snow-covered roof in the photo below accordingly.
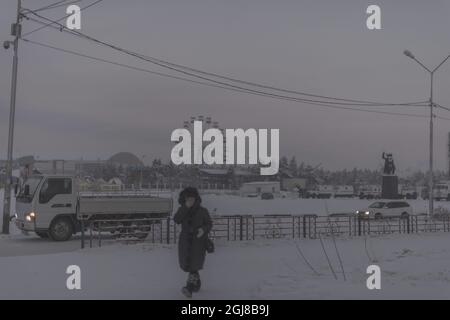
(242, 173)
(116, 181)
(215, 171)
(261, 182)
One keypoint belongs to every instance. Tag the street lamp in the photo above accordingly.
(431, 72)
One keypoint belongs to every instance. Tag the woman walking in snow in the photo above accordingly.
(195, 226)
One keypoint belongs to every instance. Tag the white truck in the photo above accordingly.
(52, 206)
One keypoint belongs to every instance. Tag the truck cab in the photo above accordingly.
(46, 205)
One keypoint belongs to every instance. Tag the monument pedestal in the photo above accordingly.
(389, 187)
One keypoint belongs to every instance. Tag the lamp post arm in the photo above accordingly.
(440, 64)
(423, 66)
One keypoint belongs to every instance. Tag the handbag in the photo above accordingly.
(209, 245)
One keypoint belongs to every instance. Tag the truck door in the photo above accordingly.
(55, 198)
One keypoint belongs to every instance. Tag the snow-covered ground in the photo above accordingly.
(412, 267)
(13, 229)
(224, 204)
(228, 204)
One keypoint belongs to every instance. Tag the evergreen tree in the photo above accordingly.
(293, 167)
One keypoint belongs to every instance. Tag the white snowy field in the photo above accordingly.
(225, 204)
(229, 204)
(412, 267)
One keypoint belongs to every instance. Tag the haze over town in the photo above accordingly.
(70, 107)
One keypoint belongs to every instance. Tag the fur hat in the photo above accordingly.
(189, 192)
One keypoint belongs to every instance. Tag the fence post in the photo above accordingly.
(99, 234)
(174, 232)
(350, 226)
(246, 227)
(315, 227)
(304, 227)
(241, 229)
(407, 224)
(168, 230)
(90, 234)
(253, 225)
(359, 225)
(82, 233)
(293, 227)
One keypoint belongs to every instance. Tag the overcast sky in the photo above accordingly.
(70, 107)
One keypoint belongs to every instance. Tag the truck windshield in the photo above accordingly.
(32, 183)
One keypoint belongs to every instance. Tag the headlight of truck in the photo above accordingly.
(30, 217)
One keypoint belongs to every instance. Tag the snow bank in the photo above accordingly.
(228, 204)
(414, 266)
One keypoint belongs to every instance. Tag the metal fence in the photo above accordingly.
(250, 227)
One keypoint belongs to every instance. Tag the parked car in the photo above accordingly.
(381, 209)
(267, 196)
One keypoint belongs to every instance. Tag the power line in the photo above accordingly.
(126, 65)
(53, 5)
(64, 4)
(65, 17)
(323, 103)
(170, 66)
(209, 84)
(442, 107)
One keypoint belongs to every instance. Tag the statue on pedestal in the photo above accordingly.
(389, 166)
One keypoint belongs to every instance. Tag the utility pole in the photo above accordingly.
(16, 29)
(430, 177)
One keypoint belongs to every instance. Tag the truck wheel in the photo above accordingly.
(43, 235)
(378, 216)
(61, 229)
(404, 215)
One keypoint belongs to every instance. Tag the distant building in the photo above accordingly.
(213, 177)
(54, 167)
(259, 187)
(125, 159)
(293, 184)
